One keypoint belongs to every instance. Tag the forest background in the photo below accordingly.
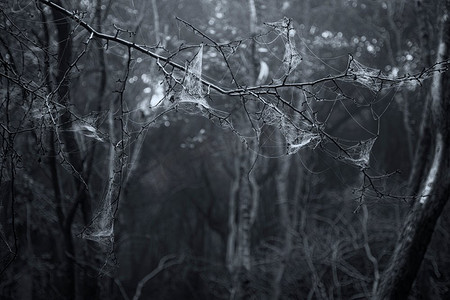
(224, 149)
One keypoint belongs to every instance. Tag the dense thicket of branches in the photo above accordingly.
(224, 149)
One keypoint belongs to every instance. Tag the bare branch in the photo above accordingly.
(165, 263)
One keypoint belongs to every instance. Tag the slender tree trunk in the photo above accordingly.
(101, 56)
(421, 159)
(244, 195)
(244, 198)
(64, 41)
(434, 192)
(394, 43)
(282, 185)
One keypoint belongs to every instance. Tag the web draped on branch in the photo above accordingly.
(371, 78)
(101, 228)
(297, 133)
(359, 154)
(291, 57)
(376, 80)
(192, 91)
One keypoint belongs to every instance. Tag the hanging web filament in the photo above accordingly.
(192, 91)
(359, 154)
(297, 135)
(102, 227)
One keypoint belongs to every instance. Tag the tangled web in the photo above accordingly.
(296, 133)
(192, 94)
(366, 76)
(292, 57)
(101, 229)
(359, 154)
(86, 129)
(376, 80)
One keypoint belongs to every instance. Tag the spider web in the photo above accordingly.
(297, 134)
(291, 57)
(192, 94)
(375, 80)
(359, 154)
(101, 229)
(369, 77)
(286, 31)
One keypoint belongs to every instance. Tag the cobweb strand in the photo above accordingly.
(102, 227)
(359, 154)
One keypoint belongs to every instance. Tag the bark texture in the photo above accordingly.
(244, 198)
(64, 41)
(434, 191)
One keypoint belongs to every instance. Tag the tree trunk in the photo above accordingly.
(242, 211)
(434, 192)
(421, 161)
(244, 198)
(64, 41)
(282, 184)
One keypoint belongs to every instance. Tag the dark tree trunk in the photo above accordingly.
(434, 189)
(424, 142)
(62, 82)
